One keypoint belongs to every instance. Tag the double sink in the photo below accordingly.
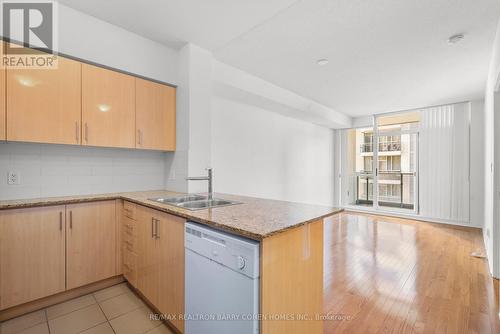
(194, 202)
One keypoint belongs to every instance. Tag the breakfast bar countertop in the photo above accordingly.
(254, 218)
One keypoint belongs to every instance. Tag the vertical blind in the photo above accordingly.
(444, 162)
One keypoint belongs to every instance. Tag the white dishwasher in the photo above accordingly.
(222, 282)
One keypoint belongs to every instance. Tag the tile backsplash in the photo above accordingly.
(48, 170)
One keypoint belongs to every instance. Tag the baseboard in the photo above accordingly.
(411, 217)
(38, 304)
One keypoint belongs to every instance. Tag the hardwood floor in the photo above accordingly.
(389, 275)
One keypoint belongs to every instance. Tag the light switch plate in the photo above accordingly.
(14, 178)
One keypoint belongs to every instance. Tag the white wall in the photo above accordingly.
(200, 84)
(193, 153)
(269, 142)
(60, 170)
(492, 140)
(260, 153)
(254, 145)
(477, 163)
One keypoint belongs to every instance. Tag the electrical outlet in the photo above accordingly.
(14, 178)
(172, 175)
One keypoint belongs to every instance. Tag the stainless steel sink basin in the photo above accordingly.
(194, 202)
(180, 199)
(203, 204)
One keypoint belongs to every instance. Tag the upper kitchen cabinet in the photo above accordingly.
(44, 105)
(155, 116)
(108, 108)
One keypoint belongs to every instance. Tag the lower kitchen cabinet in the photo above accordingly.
(148, 251)
(171, 293)
(160, 261)
(32, 254)
(129, 248)
(90, 242)
(47, 250)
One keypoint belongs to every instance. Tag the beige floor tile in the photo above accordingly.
(111, 292)
(77, 321)
(26, 321)
(70, 306)
(121, 304)
(134, 322)
(104, 328)
(42, 328)
(162, 329)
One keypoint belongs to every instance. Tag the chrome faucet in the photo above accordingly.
(208, 178)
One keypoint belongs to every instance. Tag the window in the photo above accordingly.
(395, 159)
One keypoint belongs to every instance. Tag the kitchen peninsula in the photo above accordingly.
(290, 237)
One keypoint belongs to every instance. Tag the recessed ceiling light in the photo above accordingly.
(455, 38)
(322, 62)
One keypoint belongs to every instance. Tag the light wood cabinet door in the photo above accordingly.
(44, 105)
(155, 116)
(90, 242)
(171, 290)
(148, 253)
(2, 97)
(31, 254)
(160, 261)
(108, 108)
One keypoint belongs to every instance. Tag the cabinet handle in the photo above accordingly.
(152, 228)
(60, 221)
(86, 132)
(139, 137)
(77, 133)
(71, 219)
(157, 228)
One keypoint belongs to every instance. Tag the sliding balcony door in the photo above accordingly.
(358, 176)
(383, 164)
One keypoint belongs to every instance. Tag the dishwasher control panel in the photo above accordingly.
(235, 252)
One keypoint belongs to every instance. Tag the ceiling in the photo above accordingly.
(384, 55)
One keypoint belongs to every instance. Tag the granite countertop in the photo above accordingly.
(255, 218)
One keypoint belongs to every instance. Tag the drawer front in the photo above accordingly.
(130, 267)
(129, 210)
